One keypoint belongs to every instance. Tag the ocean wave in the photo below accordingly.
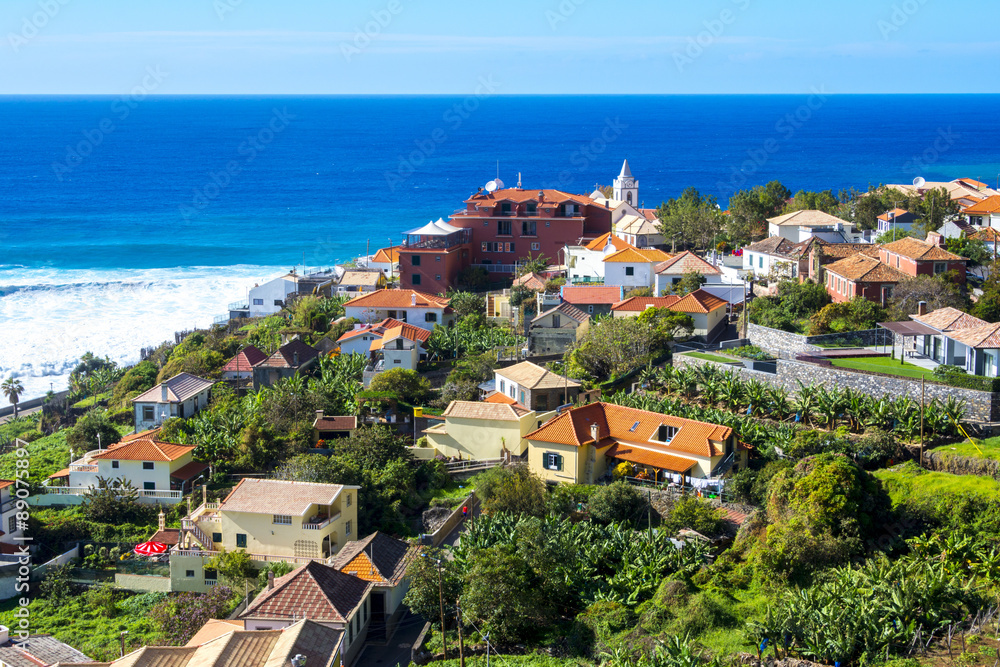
(49, 318)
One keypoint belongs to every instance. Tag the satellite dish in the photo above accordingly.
(919, 182)
(491, 186)
(498, 183)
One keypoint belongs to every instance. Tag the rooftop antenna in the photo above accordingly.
(919, 182)
(518, 180)
(498, 170)
(491, 186)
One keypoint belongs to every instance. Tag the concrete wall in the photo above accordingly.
(142, 582)
(979, 405)
(32, 403)
(452, 522)
(787, 345)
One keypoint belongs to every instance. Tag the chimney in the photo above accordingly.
(295, 358)
(413, 299)
(541, 195)
(163, 392)
(270, 580)
(922, 308)
(319, 414)
(594, 432)
(162, 521)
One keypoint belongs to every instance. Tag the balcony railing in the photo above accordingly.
(82, 490)
(260, 558)
(82, 467)
(586, 280)
(239, 305)
(322, 524)
(496, 268)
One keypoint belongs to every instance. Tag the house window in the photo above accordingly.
(503, 228)
(629, 270)
(258, 302)
(536, 246)
(217, 537)
(542, 402)
(437, 258)
(553, 461)
(531, 208)
(505, 208)
(149, 486)
(522, 397)
(503, 387)
(760, 262)
(940, 267)
(347, 500)
(12, 524)
(148, 413)
(556, 321)
(415, 279)
(590, 309)
(548, 223)
(115, 464)
(430, 317)
(189, 574)
(529, 228)
(241, 540)
(147, 465)
(415, 260)
(281, 519)
(347, 528)
(437, 276)
(279, 303)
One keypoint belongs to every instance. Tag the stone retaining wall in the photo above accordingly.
(961, 465)
(981, 406)
(785, 345)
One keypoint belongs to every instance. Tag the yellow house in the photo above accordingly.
(273, 520)
(582, 444)
(484, 430)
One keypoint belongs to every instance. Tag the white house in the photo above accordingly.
(898, 219)
(359, 340)
(269, 298)
(801, 225)
(410, 306)
(669, 272)
(401, 346)
(10, 527)
(181, 396)
(707, 311)
(386, 260)
(585, 264)
(985, 213)
(161, 471)
(776, 257)
(633, 267)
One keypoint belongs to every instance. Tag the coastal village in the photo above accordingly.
(548, 426)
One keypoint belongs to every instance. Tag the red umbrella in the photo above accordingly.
(150, 548)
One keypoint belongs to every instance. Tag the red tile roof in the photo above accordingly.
(398, 298)
(292, 354)
(189, 471)
(583, 295)
(915, 249)
(377, 558)
(699, 301)
(989, 205)
(245, 360)
(949, 319)
(638, 256)
(532, 281)
(686, 262)
(861, 268)
(649, 457)
(601, 241)
(641, 303)
(616, 422)
(145, 449)
(342, 423)
(388, 255)
(318, 592)
(497, 397)
(525, 195)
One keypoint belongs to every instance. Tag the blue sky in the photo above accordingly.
(541, 47)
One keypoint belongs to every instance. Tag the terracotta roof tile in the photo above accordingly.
(342, 423)
(830, 252)
(989, 205)
(532, 281)
(567, 310)
(585, 295)
(641, 303)
(533, 376)
(388, 255)
(407, 331)
(949, 319)
(497, 397)
(145, 449)
(699, 301)
(638, 256)
(288, 353)
(398, 298)
(650, 457)
(315, 591)
(686, 262)
(494, 411)
(986, 235)
(370, 278)
(377, 558)
(861, 268)
(601, 241)
(525, 195)
(244, 360)
(275, 496)
(985, 337)
(189, 471)
(916, 249)
(168, 536)
(806, 219)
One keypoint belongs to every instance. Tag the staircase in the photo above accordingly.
(724, 466)
(197, 533)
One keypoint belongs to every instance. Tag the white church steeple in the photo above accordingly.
(626, 188)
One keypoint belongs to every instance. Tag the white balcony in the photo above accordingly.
(322, 524)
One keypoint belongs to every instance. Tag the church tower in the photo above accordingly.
(626, 188)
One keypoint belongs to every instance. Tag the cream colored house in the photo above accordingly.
(483, 430)
(161, 471)
(10, 527)
(535, 387)
(583, 444)
(273, 520)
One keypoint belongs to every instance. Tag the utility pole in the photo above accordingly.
(487, 649)
(922, 421)
(444, 637)
(461, 641)
(649, 512)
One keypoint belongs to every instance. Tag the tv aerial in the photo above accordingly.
(919, 182)
(492, 186)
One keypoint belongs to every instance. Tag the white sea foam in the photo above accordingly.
(49, 317)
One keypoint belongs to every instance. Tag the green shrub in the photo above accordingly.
(618, 501)
(695, 514)
(123, 416)
(32, 435)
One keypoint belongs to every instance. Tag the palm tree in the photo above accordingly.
(12, 389)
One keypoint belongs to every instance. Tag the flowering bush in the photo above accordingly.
(180, 616)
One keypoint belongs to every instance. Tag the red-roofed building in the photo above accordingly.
(919, 258)
(406, 305)
(241, 366)
(592, 299)
(582, 444)
(707, 311)
(327, 427)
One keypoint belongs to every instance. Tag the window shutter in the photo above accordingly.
(559, 462)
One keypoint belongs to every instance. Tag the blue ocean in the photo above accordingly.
(124, 219)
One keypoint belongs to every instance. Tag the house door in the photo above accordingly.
(377, 627)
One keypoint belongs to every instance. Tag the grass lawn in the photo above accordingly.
(885, 365)
(711, 357)
(47, 455)
(983, 449)
(910, 484)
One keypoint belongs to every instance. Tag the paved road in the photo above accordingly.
(398, 650)
(20, 413)
(454, 535)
